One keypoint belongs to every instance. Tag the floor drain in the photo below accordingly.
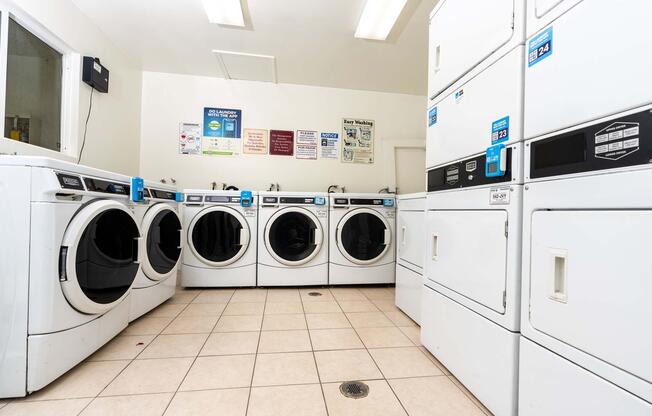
(314, 294)
(354, 389)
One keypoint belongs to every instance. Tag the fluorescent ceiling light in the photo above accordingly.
(378, 18)
(224, 12)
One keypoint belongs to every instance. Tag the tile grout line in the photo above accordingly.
(253, 371)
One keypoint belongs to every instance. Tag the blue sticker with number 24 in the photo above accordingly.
(540, 47)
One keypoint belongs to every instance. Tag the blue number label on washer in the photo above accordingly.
(137, 189)
(320, 200)
(500, 130)
(388, 202)
(540, 47)
(432, 116)
(246, 198)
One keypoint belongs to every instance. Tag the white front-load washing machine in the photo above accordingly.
(221, 229)
(160, 224)
(362, 239)
(69, 254)
(410, 252)
(584, 61)
(586, 306)
(293, 239)
(471, 298)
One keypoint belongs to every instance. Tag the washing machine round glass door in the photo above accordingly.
(218, 236)
(363, 236)
(162, 230)
(99, 256)
(293, 236)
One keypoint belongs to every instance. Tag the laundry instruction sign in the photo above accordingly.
(358, 140)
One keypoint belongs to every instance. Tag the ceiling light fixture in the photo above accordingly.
(224, 12)
(378, 18)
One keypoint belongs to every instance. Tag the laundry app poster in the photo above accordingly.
(222, 132)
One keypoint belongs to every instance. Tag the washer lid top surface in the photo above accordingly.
(293, 236)
(99, 256)
(218, 235)
(363, 236)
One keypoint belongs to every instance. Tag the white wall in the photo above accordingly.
(169, 99)
(113, 138)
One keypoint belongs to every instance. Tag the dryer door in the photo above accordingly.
(219, 236)
(363, 236)
(293, 236)
(162, 230)
(99, 256)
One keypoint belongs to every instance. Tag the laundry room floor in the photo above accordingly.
(260, 352)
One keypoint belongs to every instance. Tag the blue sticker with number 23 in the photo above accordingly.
(500, 130)
(540, 47)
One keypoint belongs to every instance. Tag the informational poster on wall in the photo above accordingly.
(329, 145)
(255, 141)
(281, 142)
(306, 145)
(189, 138)
(358, 140)
(222, 131)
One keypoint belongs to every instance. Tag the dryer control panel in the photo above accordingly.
(472, 172)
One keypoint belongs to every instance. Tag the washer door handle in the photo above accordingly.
(181, 235)
(136, 249)
(244, 236)
(317, 237)
(387, 238)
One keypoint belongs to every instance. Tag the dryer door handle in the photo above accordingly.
(434, 247)
(403, 235)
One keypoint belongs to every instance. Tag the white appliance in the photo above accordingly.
(293, 245)
(69, 254)
(362, 239)
(482, 109)
(467, 33)
(584, 61)
(160, 224)
(221, 232)
(410, 252)
(586, 271)
(470, 312)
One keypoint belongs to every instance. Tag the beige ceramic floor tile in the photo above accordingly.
(166, 310)
(433, 396)
(147, 325)
(231, 402)
(470, 395)
(400, 319)
(346, 365)
(141, 405)
(357, 306)
(284, 369)
(249, 295)
(68, 407)
(191, 324)
(219, 372)
(347, 294)
(276, 308)
(173, 346)
(239, 323)
(412, 332)
(3, 403)
(184, 297)
(122, 347)
(214, 296)
(149, 376)
(86, 380)
(325, 295)
(404, 362)
(377, 293)
(284, 341)
(284, 322)
(203, 309)
(385, 305)
(229, 343)
(369, 320)
(435, 361)
(381, 401)
(329, 306)
(383, 337)
(245, 308)
(283, 295)
(304, 400)
(327, 321)
(335, 339)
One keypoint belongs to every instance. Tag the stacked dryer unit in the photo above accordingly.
(585, 345)
(410, 249)
(159, 221)
(362, 239)
(471, 301)
(69, 254)
(221, 229)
